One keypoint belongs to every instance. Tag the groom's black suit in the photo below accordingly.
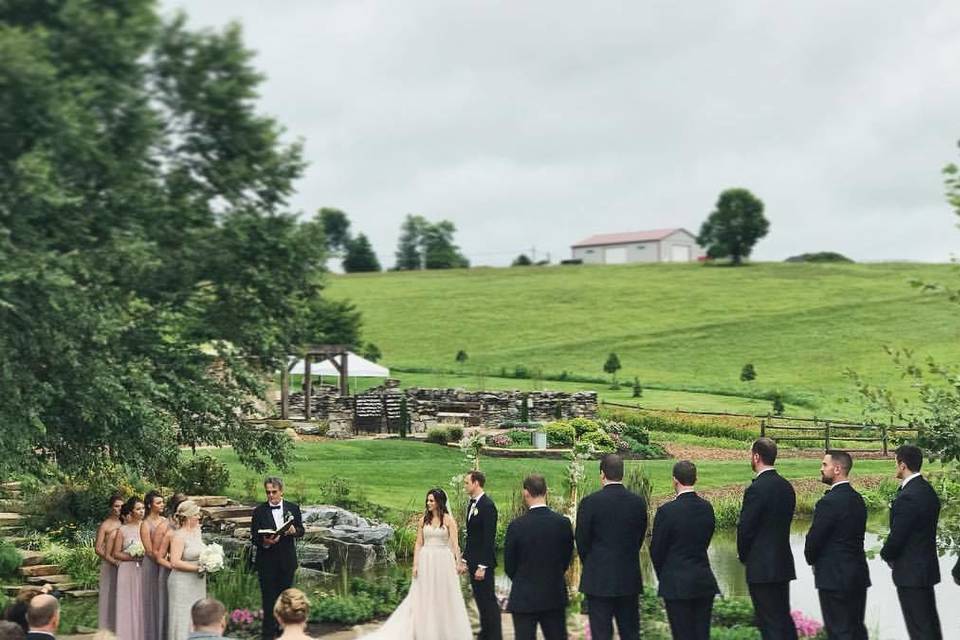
(536, 553)
(276, 564)
(480, 548)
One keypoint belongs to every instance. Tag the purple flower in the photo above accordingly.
(806, 627)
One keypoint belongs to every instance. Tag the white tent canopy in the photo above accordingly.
(357, 367)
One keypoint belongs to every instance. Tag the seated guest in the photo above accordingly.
(291, 611)
(209, 618)
(11, 631)
(43, 616)
(16, 612)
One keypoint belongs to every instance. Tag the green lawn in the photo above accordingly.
(397, 474)
(682, 327)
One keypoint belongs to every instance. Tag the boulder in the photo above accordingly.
(354, 558)
(314, 556)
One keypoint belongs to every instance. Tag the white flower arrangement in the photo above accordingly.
(211, 558)
(135, 549)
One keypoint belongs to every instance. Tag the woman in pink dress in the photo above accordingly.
(149, 569)
(129, 595)
(161, 548)
(108, 566)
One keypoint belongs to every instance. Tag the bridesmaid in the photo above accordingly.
(129, 596)
(108, 566)
(161, 547)
(149, 569)
(186, 583)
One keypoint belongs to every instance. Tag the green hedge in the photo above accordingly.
(678, 425)
(560, 434)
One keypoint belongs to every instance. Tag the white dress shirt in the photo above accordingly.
(277, 514)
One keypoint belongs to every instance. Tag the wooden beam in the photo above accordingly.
(285, 393)
(344, 376)
(307, 388)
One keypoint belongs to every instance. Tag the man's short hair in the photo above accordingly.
(685, 472)
(612, 467)
(478, 477)
(11, 631)
(275, 481)
(766, 448)
(911, 456)
(42, 610)
(842, 458)
(536, 485)
(207, 612)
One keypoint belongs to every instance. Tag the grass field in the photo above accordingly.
(684, 328)
(396, 474)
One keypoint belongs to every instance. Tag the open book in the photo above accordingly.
(272, 532)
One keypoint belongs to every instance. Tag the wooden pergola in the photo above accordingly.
(335, 353)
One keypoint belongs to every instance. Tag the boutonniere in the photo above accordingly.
(473, 512)
(287, 516)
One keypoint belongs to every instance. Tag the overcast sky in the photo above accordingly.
(535, 124)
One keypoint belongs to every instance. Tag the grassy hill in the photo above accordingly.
(685, 328)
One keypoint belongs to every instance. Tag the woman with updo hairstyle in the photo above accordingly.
(187, 583)
(291, 611)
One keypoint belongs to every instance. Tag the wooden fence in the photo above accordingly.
(812, 430)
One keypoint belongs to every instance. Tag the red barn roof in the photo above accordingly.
(626, 238)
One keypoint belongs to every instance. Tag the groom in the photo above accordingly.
(480, 556)
(276, 554)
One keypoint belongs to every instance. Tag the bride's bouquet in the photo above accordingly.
(135, 549)
(211, 558)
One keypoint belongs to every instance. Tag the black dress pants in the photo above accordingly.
(602, 610)
(552, 623)
(690, 619)
(273, 582)
(484, 594)
(919, 605)
(771, 604)
(843, 613)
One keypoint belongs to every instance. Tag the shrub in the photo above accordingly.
(560, 434)
(521, 437)
(10, 559)
(734, 633)
(386, 592)
(516, 424)
(80, 562)
(438, 436)
(748, 373)
(637, 432)
(584, 425)
(75, 505)
(500, 440)
(602, 442)
(730, 612)
(620, 444)
(455, 434)
(202, 475)
(677, 425)
(521, 372)
(349, 609)
(612, 426)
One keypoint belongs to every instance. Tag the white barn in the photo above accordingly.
(659, 245)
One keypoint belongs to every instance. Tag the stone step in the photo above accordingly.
(31, 558)
(7, 518)
(60, 580)
(12, 494)
(16, 486)
(210, 501)
(239, 521)
(40, 570)
(216, 514)
(18, 541)
(13, 506)
(82, 593)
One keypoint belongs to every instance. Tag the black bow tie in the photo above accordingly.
(276, 507)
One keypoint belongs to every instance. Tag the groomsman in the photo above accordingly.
(537, 551)
(763, 543)
(911, 547)
(276, 560)
(480, 554)
(611, 524)
(682, 530)
(834, 547)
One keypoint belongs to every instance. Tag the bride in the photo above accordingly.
(434, 607)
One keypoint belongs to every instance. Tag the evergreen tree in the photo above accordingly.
(360, 256)
(336, 229)
(409, 253)
(439, 251)
(612, 365)
(748, 373)
(522, 261)
(637, 388)
(372, 352)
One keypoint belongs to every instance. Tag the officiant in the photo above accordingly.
(275, 525)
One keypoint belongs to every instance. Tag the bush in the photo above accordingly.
(10, 559)
(637, 433)
(75, 506)
(602, 442)
(584, 425)
(501, 441)
(612, 426)
(350, 609)
(386, 592)
(730, 612)
(516, 424)
(620, 444)
(80, 562)
(734, 633)
(455, 434)
(677, 425)
(438, 436)
(521, 437)
(560, 434)
(202, 476)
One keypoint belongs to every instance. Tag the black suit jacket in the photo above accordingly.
(763, 532)
(537, 551)
(283, 555)
(911, 546)
(682, 530)
(481, 544)
(834, 545)
(37, 635)
(611, 525)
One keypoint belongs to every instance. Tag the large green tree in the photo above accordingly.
(734, 226)
(150, 278)
(360, 256)
(336, 229)
(409, 252)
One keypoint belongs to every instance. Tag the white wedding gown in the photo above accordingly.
(434, 607)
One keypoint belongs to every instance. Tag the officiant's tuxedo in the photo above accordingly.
(276, 564)
(480, 549)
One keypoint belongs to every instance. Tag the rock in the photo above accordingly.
(306, 574)
(30, 558)
(314, 556)
(331, 516)
(308, 429)
(35, 570)
(376, 535)
(354, 558)
(209, 501)
(82, 593)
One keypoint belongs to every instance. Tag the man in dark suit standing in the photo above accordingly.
(911, 546)
(276, 560)
(480, 554)
(682, 530)
(834, 547)
(763, 543)
(537, 551)
(611, 524)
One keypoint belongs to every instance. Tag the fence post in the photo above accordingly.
(826, 439)
(763, 427)
(884, 434)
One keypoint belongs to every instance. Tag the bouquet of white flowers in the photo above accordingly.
(135, 549)
(211, 558)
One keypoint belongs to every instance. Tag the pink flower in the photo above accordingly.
(806, 627)
(241, 616)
